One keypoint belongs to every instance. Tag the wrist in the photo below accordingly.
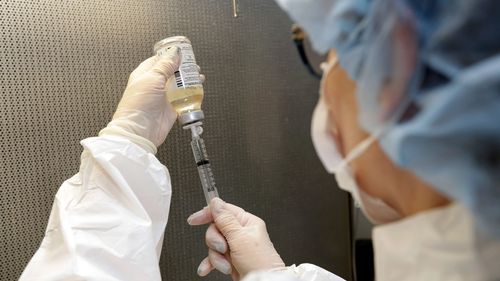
(118, 131)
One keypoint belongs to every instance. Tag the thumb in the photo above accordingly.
(168, 63)
(224, 219)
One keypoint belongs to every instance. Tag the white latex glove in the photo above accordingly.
(237, 241)
(144, 115)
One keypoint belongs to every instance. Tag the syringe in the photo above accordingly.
(201, 158)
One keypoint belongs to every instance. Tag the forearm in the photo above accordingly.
(107, 221)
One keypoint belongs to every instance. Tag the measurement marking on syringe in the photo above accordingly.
(202, 162)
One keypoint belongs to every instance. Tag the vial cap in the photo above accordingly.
(191, 117)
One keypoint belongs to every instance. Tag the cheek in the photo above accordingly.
(404, 63)
(344, 116)
(340, 97)
(334, 132)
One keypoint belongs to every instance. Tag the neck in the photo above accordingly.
(411, 196)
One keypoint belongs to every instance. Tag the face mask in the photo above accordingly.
(376, 210)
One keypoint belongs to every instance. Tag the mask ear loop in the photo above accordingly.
(326, 66)
(361, 147)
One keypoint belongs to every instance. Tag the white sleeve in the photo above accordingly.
(107, 221)
(303, 272)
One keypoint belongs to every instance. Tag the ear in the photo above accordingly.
(404, 60)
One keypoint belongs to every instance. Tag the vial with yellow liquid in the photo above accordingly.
(184, 89)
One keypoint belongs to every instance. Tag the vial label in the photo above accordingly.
(187, 75)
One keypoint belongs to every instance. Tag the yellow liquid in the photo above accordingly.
(186, 99)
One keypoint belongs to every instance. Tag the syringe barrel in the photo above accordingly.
(206, 176)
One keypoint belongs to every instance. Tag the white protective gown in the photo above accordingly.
(440, 244)
(107, 223)
(437, 245)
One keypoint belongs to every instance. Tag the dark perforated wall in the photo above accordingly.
(63, 67)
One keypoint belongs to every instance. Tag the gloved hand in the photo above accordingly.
(144, 115)
(237, 241)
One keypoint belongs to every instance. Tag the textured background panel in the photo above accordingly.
(63, 68)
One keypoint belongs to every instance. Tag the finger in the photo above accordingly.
(225, 220)
(203, 216)
(167, 63)
(202, 77)
(219, 262)
(215, 240)
(235, 275)
(234, 209)
(144, 67)
(205, 267)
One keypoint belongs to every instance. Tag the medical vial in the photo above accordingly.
(184, 89)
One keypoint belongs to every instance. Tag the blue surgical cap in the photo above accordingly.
(451, 136)
(445, 127)
(454, 141)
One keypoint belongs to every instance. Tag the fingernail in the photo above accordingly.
(223, 266)
(217, 205)
(194, 216)
(202, 268)
(197, 215)
(219, 247)
(173, 50)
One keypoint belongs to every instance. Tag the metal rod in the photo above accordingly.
(235, 8)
